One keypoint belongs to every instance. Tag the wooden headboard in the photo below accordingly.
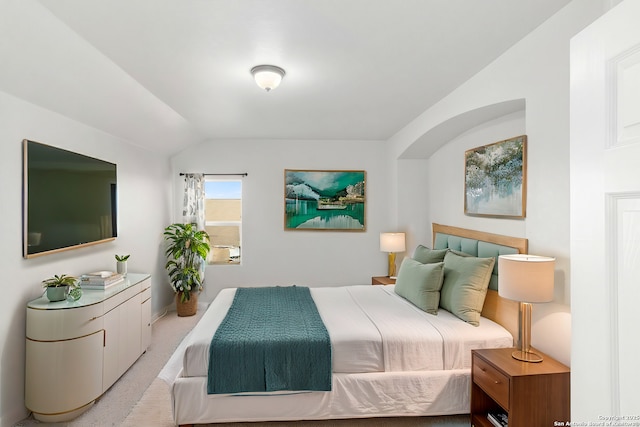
(500, 310)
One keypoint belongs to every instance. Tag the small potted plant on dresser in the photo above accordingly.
(121, 264)
(187, 250)
(58, 286)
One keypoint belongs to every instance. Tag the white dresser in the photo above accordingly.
(76, 350)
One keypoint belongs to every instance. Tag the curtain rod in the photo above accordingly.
(219, 174)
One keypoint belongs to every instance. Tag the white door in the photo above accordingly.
(605, 217)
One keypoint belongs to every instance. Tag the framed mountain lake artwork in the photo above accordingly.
(495, 180)
(324, 200)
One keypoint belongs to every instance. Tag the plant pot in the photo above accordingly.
(57, 293)
(121, 268)
(187, 308)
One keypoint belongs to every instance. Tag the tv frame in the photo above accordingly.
(25, 203)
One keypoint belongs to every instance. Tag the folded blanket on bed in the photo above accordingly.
(271, 339)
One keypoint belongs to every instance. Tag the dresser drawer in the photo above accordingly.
(492, 381)
(56, 325)
(121, 297)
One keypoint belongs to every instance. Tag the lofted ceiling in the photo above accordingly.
(164, 74)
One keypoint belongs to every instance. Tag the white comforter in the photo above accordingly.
(372, 329)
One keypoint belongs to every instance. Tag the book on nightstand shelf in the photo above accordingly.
(498, 419)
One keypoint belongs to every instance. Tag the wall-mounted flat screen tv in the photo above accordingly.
(69, 200)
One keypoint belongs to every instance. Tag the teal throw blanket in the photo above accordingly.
(271, 339)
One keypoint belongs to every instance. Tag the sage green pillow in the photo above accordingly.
(427, 256)
(420, 284)
(464, 289)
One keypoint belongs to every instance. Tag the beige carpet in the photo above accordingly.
(139, 398)
(114, 405)
(154, 409)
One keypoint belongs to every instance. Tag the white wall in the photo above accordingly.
(32, 59)
(271, 255)
(535, 70)
(143, 198)
(413, 193)
(446, 176)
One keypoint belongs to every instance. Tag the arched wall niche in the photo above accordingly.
(439, 135)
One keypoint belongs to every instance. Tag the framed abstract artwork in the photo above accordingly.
(324, 200)
(495, 180)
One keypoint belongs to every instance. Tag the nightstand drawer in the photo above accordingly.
(493, 382)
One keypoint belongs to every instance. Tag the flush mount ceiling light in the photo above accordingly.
(267, 76)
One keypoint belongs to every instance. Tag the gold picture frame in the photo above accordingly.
(495, 183)
(324, 200)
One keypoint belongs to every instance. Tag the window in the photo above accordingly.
(223, 219)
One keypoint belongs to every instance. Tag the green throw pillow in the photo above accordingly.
(420, 284)
(427, 256)
(465, 286)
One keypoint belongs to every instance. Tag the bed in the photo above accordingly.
(394, 358)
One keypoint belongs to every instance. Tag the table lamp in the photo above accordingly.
(526, 279)
(392, 243)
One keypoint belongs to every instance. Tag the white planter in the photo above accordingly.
(121, 267)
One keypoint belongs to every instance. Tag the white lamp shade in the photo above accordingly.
(526, 278)
(267, 77)
(392, 242)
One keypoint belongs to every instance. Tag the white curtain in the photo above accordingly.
(193, 206)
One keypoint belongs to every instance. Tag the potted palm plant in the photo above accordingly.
(58, 286)
(187, 250)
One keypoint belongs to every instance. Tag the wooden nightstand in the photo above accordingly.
(382, 280)
(531, 394)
